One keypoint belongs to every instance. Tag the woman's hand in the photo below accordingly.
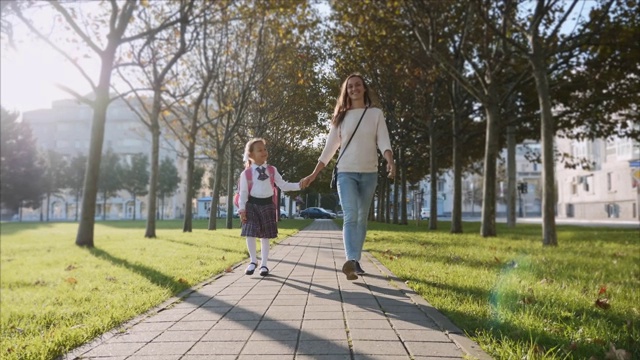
(243, 216)
(391, 170)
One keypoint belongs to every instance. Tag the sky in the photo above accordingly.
(29, 72)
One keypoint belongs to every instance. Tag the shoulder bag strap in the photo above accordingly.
(353, 133)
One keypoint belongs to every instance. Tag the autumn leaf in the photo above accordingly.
(183, 281)
(228, 270)
(72, 281)
(603, 290)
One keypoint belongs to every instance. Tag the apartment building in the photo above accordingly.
(605, 186)
(66, 128)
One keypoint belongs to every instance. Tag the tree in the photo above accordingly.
(53, 179)
(20, 167)
(541, 27)
(111, 178)
(135, 177)
(154, 58)
(115, 17)
(168, 181)
(75, 178)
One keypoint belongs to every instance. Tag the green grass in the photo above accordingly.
(55, 296)
(518, 299)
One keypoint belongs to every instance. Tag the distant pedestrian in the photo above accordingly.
(257, 202)
(359, 130)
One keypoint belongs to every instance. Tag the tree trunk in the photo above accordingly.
(134, 206)
(89, 196)
(403, 187)
(187, 225)
(77, 203)
(48, 205)
(433, 176)
(456, 213)
(511, 177)
(153, 179)
(488, 225)
(230, 184)
(217, 179)
(104, 205)
(549, 237)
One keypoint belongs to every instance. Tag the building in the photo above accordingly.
(606, 182)
(66, 129)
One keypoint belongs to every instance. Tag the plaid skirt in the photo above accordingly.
(261, 221)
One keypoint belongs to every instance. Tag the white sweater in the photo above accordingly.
(361, 154)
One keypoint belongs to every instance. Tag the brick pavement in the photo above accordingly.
(305, 309)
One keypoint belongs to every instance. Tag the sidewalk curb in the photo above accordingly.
(454, 333)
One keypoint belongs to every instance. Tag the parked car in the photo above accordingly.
(283, 214)
(425, 213)
(316, 213)
(330, 212)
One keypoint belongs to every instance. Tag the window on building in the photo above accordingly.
(441, 185)
(609, 185)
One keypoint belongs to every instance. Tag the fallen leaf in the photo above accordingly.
(603, 289)
(228, 270)
(603, 303)
(496, 259)
(183, 281)
(70, 267)
(72, 280)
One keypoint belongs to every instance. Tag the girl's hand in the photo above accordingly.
(243, 216)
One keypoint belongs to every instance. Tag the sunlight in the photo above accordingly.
(30, 72)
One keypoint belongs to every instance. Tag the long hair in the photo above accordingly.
(249, 148)
(344, 101)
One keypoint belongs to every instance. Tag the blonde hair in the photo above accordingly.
(344, 101)
(249, 148)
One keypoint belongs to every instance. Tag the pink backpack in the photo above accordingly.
(249, 175)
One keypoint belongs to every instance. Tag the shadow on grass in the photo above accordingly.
(10, 228)
(154, 276)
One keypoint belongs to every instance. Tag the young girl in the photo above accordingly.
(256, 206)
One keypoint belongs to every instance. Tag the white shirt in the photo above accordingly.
(361, 154)
(262, 188)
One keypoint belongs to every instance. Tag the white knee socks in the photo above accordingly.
(264, 250)
(251, 246)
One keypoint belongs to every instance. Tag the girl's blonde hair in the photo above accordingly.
(344, 101)
(249, 148)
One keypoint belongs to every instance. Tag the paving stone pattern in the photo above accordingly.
(304, 309)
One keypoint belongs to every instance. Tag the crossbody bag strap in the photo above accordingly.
(353, 133)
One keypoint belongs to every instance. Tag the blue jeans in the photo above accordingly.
(356, 194)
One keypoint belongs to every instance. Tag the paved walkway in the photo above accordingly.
(305, 309)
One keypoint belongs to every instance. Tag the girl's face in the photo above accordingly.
(259, 153)
(355, 88)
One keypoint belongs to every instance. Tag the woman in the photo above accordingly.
(364, 129)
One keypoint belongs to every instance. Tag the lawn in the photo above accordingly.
(518, 299)
(55, 296)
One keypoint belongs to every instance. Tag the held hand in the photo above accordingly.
(308, 180)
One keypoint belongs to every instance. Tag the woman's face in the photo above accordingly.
(355, 88)
(259, 153)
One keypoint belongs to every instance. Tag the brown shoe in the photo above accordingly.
(349, 269)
